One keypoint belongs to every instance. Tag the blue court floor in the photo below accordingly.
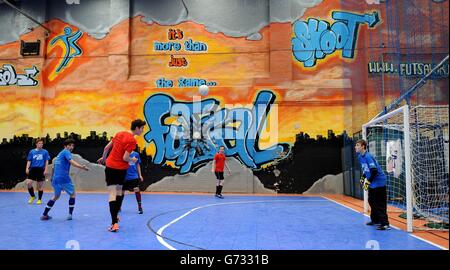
(191, 222)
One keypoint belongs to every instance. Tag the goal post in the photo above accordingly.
(399, 119)
(411, 146)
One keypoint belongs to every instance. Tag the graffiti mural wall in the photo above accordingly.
(287, 80)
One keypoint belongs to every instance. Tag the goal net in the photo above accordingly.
(411, 145)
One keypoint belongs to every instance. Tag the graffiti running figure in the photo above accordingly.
(218, 165)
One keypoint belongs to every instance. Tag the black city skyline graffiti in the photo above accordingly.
(309, 160)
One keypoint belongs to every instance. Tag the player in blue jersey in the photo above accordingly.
(132, 180)
(61, 179)
(36, 169)
(373, 179)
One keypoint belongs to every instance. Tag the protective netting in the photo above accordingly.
(429, 152)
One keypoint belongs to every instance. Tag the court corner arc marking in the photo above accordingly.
(159, 233)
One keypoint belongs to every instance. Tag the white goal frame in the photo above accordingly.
(407, 154)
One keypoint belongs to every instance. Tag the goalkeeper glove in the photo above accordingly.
(361, 180)
(366, 184)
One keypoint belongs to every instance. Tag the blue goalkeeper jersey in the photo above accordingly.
(368, 162)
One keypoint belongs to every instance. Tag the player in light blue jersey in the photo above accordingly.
(36, 169)
(61, 179)
(373, 179)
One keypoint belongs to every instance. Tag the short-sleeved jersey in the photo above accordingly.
(123, 142)
(132, 172)
(61, 167)
(220, 162)
(38, 158)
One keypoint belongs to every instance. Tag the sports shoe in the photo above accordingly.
(39, 202)
(383, 227)
(114, 227)
(46, 217)
(31, 200)
(141, 211)
(69, 217)
(372, 223)
(220, 196)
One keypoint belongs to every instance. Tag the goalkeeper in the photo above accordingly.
(373, 179)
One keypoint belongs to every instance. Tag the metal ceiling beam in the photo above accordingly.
(26, 15)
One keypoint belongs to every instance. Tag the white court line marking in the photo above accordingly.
(161, 230)
(415, 236)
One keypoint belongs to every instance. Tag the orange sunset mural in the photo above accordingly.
(83, 96)
(312, 62)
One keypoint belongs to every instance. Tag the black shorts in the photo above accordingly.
(219, 175)
(130, 184)
(114, 176)
(36, 174)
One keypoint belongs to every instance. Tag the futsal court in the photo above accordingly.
(198, 222)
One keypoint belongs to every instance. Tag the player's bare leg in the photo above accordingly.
(219, 188)
(29, 183)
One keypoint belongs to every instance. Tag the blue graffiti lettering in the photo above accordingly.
(315, 39)
(190, 82)
(166, 46)
(195, 46)
(200, 127)
(162, 82)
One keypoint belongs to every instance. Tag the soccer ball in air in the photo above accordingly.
(203, 90)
